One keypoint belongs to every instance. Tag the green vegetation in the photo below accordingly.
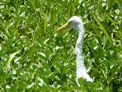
(35, 59)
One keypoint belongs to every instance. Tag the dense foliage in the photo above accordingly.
(33, 58)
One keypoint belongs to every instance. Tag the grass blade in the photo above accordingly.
(101, 27)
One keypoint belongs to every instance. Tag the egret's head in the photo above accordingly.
(73, 22)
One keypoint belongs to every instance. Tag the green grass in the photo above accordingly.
(35, 59)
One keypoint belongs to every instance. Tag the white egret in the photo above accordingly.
(76, 23)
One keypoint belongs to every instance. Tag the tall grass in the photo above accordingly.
(33, 58)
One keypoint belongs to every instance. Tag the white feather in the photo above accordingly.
(77, 24)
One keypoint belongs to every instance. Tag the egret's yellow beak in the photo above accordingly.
(63, 27)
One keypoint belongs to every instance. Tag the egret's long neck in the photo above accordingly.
(80, 66)
(81, 32)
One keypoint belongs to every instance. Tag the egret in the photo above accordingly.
(76, 23)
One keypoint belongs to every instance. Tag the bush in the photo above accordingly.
(33, 58)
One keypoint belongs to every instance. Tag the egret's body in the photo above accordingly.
(76, 23)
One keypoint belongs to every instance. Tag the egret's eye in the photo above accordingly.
(70, 24)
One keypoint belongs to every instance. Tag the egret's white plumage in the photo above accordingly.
(77, 24)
